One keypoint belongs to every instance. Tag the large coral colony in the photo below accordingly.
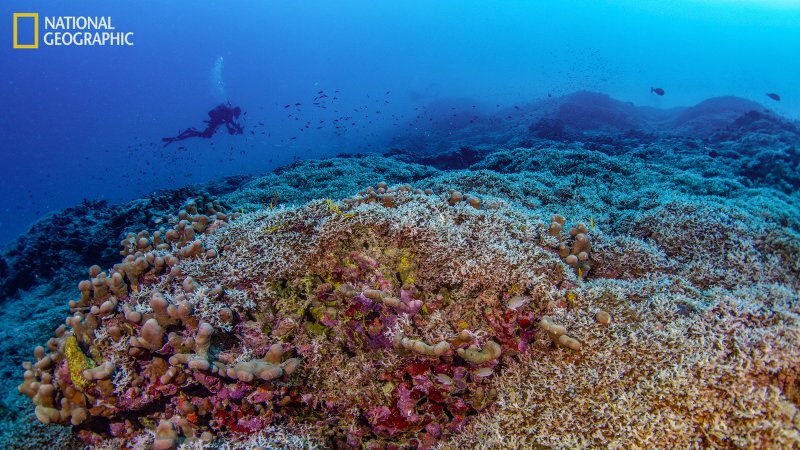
(374, 321)
(404, 317)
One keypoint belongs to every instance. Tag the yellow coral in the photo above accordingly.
(335, 208)
(329, 279)
(405, 267)
(77, 362)
(274, 229)
(571, 299)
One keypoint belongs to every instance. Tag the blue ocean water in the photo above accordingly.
(86, 122)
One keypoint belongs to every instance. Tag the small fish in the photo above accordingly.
(484, 372)
(517, 301)
(774, 96)
(444, 379)
(657, 91)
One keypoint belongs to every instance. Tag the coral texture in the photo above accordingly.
(457, 314)
(194, 332)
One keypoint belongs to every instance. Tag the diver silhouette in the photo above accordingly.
(221, 115)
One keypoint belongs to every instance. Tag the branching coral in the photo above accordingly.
(392, 318)
(375, 295)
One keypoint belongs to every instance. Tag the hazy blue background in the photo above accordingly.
(87, 122)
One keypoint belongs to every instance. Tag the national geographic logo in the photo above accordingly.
(68, 31)
(34, 43)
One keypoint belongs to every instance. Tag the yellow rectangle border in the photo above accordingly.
(35, 17)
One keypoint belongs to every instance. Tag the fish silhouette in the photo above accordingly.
(657, 91)
(774, 96)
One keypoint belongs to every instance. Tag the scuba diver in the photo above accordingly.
(222, 114)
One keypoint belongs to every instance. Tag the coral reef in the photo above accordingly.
(550, 296)
(724, 136)
(715, 369)
(63, 243)
(200, 348)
